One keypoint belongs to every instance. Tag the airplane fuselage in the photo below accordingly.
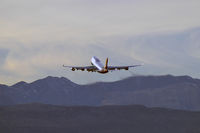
(97, 63)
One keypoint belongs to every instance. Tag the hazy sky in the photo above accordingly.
(38, 36)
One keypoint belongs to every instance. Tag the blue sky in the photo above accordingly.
(37, 37)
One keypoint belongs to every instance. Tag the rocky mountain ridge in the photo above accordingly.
(178, 92)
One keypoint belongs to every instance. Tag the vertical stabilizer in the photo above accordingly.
(106, 64)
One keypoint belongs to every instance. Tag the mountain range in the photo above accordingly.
(176, 92)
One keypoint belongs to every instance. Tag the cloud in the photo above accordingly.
(3, 55)
(161, 53)
(37, 37)
(175, 53)
(84, 21)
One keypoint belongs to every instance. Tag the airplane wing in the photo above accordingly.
(88, 68)
(121, 67)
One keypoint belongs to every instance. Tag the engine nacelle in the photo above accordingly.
(89, 70)
(126, 68)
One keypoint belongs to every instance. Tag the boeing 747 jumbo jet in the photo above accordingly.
(97, 66)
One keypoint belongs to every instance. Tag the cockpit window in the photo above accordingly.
(97, 60)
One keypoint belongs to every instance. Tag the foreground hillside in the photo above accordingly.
(39, 118)
(178, 92)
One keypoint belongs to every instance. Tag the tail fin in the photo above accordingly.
(106, 64)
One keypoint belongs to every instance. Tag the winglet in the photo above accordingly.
(106, 64)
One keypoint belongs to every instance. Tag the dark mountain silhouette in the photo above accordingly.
(5, 98)
(39, 118)
(178, 92)
(19, 84)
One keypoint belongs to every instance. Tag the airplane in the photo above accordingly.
(97, 66)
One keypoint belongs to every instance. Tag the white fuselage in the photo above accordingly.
(96, 62)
